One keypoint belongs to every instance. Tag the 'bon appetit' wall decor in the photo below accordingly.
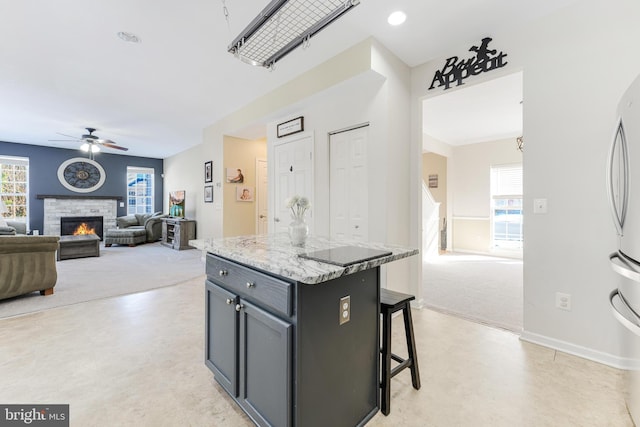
(455, 70)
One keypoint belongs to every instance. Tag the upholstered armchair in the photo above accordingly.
(151, 223)
(27, 264)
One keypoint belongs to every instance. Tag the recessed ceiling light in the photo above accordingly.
(397, 18)
(129, 37)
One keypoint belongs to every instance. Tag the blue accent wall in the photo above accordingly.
(43, 176)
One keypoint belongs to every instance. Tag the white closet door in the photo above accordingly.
(294, 176)
(349, 189)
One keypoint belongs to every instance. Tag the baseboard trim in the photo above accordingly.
(584, 352)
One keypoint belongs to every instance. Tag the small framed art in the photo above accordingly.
(208, 193)
(244, 194)
(208, 172)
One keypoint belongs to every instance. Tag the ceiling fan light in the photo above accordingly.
(84, 147)
(94, 148)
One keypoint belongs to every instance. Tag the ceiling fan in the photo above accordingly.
(91, 143)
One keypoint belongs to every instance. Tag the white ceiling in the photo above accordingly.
(483, 112)
(64, 68)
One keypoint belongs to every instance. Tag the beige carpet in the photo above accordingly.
(483, 289)
(119, 270)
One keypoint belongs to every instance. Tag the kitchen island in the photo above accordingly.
(295, 342)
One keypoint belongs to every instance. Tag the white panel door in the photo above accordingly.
(294, 176)
(349, 188)
(261, 196)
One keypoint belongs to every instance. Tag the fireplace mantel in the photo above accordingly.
(76, 196)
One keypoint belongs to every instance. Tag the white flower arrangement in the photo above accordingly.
(298, 205)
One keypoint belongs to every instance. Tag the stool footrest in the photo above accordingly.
(397, 358)
(404, 364)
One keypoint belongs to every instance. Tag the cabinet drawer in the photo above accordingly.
(256, 286)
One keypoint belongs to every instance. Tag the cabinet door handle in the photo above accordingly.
(250, 285)
(239, 307)
(229, 301)
(223, 273)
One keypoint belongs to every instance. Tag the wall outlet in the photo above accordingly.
(345, 309)
(563, 301)
(539, 206)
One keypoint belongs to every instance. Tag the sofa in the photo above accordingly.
(27, 264)
(151, 223)
(11, 228)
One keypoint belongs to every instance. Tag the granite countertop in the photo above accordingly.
(274, 254)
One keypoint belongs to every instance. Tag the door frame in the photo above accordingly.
(259, 196)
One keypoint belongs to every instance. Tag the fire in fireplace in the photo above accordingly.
(75, 225)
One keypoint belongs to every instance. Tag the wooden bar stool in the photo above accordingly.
(390, 302)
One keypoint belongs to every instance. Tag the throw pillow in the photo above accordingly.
(3, 222)
(126, 221)
(142, 218)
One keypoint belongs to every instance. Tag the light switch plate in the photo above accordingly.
(345, 309)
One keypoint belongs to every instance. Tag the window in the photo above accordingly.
(14, 187)
(506, 206)
(139, 190)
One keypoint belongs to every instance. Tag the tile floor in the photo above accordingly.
(137, 360)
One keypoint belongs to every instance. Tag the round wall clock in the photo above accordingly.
(81, 175)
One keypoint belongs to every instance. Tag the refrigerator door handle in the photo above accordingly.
(632, 325)
(622, 267)
(618, 146)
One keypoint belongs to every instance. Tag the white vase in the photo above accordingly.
(298, 232)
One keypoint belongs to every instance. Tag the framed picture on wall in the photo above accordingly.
(208, 193)
(244, 194)
(208, 172)
(234, 175)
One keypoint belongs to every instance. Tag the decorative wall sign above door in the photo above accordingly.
(455, 70)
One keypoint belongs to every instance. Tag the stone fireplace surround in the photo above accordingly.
(57, 206)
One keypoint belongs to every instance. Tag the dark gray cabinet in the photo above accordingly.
(279, 349)
(265, 366)
(222, 337)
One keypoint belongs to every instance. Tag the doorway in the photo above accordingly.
(475, 129)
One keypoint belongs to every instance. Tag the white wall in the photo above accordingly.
(470, 191)
(470, 177)
(185, 171)
(381, 98)
(366, 83)
(576, 66)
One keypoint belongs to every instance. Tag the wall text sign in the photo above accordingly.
(455, 70)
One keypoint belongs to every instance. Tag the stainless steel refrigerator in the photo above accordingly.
(624, 194)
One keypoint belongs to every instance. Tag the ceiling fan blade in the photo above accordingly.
(75, 138)
(117, 147)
